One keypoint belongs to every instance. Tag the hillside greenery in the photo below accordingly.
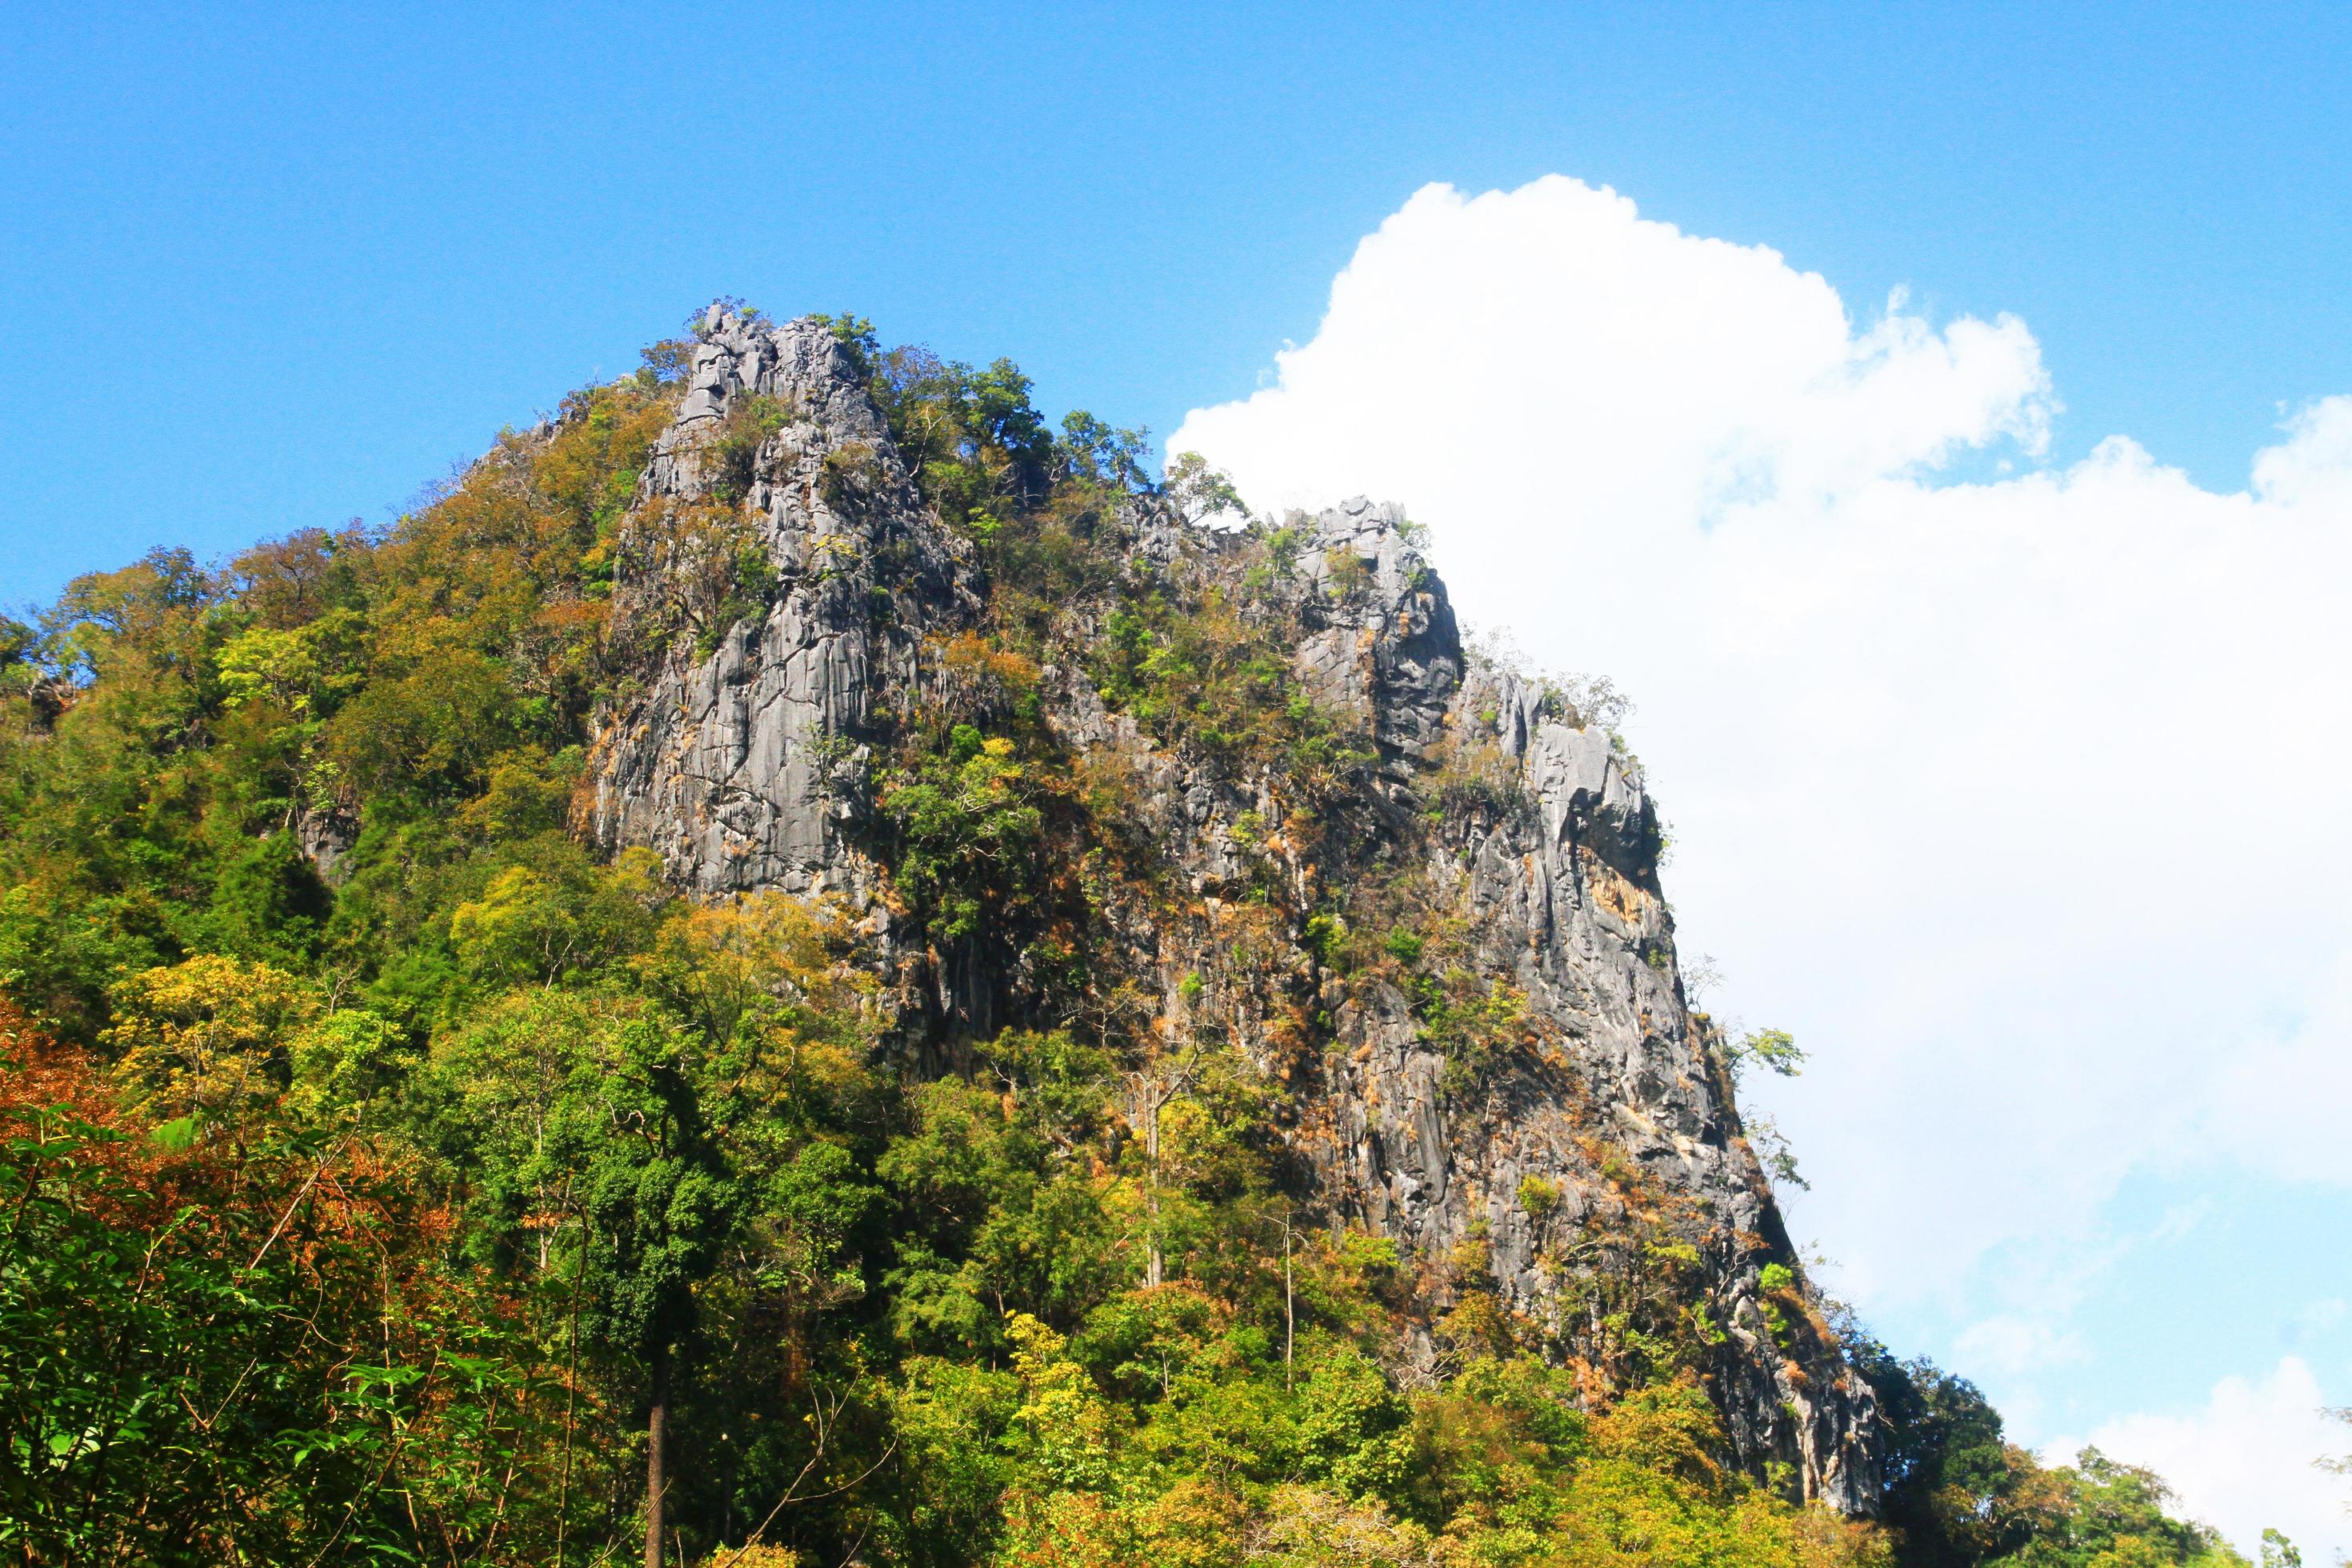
(417, 1216)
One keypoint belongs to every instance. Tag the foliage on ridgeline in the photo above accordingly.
(365, 1223)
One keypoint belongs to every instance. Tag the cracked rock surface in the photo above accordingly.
(737, 766)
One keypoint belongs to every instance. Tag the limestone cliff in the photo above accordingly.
(1565, 1188)
(721, 763)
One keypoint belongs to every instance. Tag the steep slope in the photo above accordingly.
(1417, 892)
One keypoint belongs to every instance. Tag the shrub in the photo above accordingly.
(1537, 1196)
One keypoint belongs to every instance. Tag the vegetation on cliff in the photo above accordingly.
(390, 1178)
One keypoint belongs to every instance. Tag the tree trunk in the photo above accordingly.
(1151, 1190)
(656, 1479)
(1289, 1313)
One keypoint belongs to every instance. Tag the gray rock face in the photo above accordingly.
(743, 766)
(326, 836)
(1390, 647)
(1558, 882)
(741, 756)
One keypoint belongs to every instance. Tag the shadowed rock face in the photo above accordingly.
(746, 767)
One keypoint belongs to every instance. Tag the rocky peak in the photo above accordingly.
(801, 363)
(1387, 643)
(735, 754)
(1536, 1174)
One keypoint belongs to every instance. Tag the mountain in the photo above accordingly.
(798, 967)
(1499, 843)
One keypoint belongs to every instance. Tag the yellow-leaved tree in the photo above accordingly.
(204, 1045)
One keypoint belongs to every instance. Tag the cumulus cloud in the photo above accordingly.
(2315, 465)
(2015, 1345)
(2244, 1461)
(2012, 787)
(1547, 347)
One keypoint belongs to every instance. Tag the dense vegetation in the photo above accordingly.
(447, 1211)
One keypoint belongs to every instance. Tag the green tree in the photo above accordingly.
(663, 1156)
(967, 830)
(597, 1161)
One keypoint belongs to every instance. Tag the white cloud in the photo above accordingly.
(2315, 465)
(2243, 1463)
(2181, 1221)
(2014, 1346)
(1479, 348)
(2019, 800)
(2320, 1316)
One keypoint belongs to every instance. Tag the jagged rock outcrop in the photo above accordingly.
(741, 767)
(1557, 883)
(744, 758)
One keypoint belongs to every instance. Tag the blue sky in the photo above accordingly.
(285, 266)
(277, 264)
